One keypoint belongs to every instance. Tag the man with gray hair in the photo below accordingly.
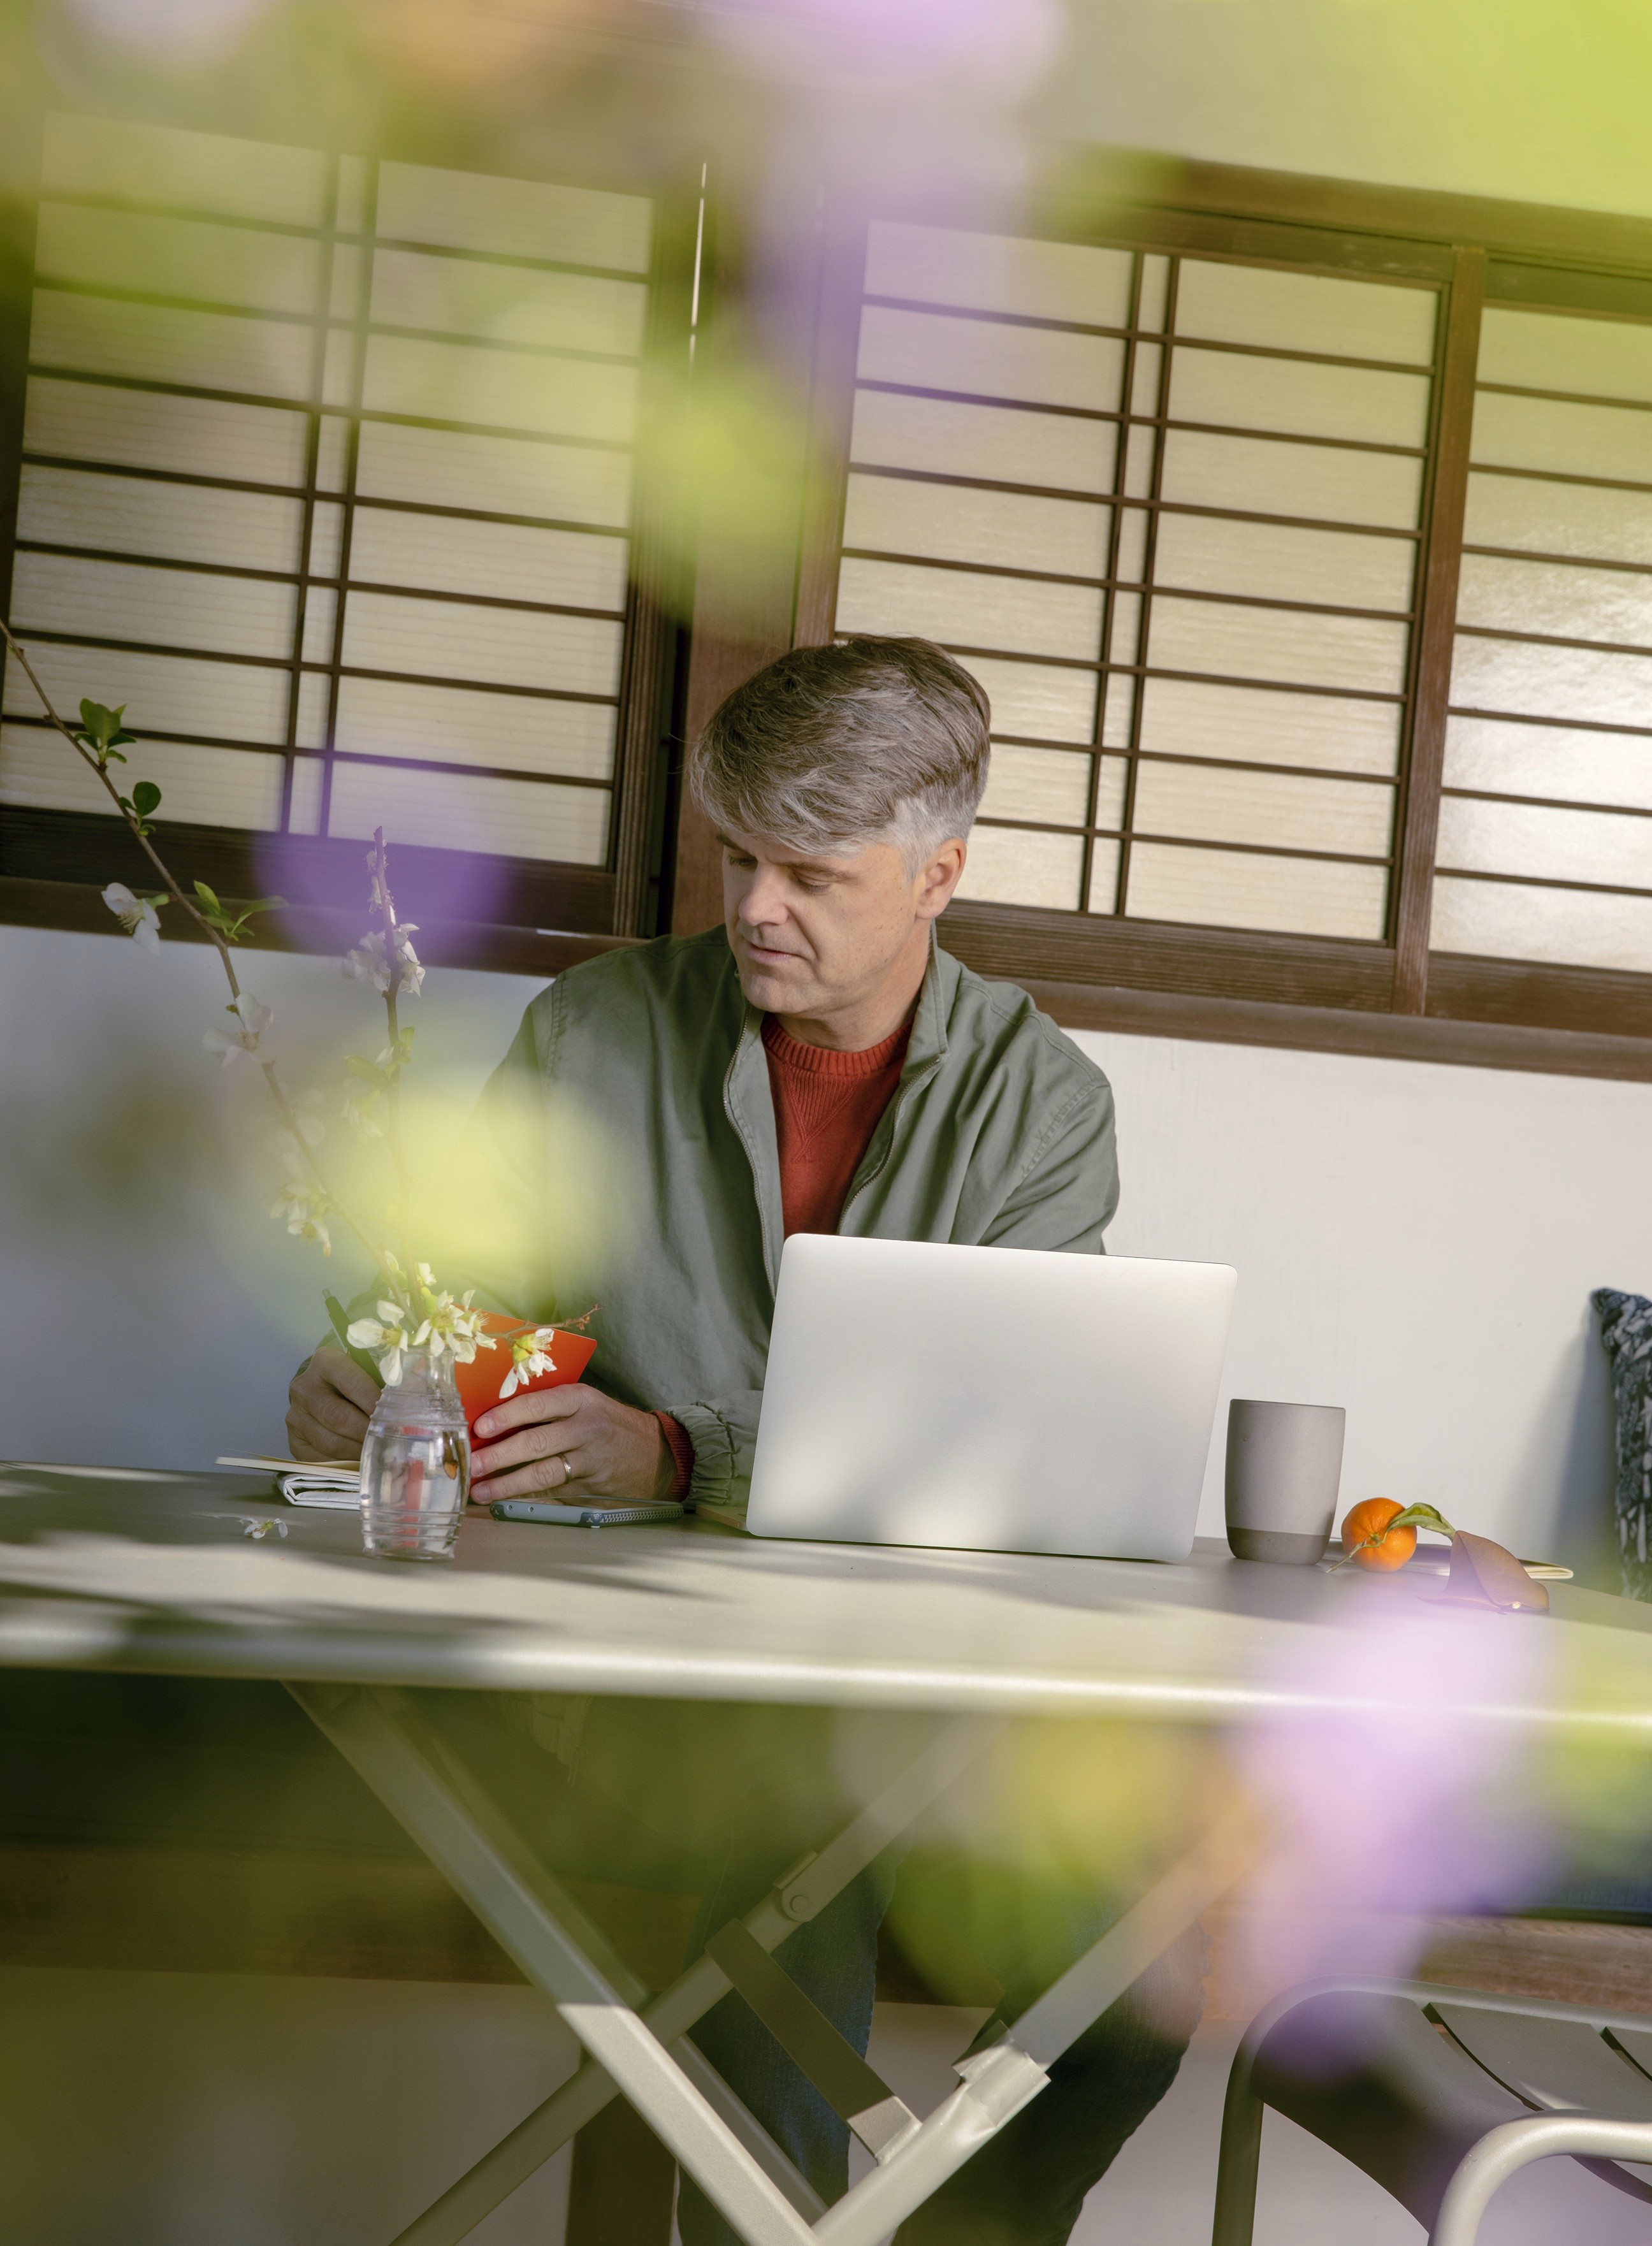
(815, 1063)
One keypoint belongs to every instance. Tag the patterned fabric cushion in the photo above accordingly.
(1626, 1328)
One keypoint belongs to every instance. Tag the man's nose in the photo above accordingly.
(764, 901)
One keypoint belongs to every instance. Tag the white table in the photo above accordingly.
(190, 1576)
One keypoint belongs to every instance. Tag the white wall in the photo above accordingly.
(1414, 1242)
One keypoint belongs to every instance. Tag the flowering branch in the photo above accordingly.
(306, 1198)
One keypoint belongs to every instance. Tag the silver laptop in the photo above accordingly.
(995, 1400)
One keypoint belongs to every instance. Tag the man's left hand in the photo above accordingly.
(572, 1443)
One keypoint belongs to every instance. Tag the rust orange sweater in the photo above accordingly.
(827, 1107)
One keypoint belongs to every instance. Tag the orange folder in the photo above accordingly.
(481, 1380)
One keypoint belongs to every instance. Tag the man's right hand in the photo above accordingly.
(327, 1406)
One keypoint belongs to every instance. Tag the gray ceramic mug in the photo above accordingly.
(1284, 1469)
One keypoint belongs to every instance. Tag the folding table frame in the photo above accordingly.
(641, 2046)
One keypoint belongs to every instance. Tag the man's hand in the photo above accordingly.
(329, 1404)
(572, 1442)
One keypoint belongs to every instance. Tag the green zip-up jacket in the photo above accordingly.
(626, 1146)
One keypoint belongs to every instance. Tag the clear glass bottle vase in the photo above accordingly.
(416, 1464)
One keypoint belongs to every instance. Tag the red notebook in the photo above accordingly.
(481, 1380)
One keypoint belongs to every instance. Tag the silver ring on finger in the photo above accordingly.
(567, 1472)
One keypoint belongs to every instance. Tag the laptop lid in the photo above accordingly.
(988, 1398)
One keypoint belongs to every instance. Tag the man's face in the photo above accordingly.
(817, 935)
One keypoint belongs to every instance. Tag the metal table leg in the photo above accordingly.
(384, 1738)
(693, 2114)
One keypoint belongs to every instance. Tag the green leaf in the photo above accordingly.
(145, 797)
(368, 1072)
(339, 1318)
(208, 898)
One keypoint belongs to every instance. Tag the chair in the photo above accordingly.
(1438, 2094)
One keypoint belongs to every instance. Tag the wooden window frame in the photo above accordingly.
(541, 914)
(1396, 997)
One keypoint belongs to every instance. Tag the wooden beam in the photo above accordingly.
(1437, 629)
(1325, 1029)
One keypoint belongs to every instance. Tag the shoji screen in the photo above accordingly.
(1545, 847)
(328, 476)
(1168, 509)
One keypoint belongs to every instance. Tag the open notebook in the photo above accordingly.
(334, 1483)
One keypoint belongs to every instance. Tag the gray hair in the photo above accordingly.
(831, 748)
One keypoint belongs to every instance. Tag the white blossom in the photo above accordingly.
(370, 962)
(530, 1356)
(386, 1332)
(359, 1111)
(254, 1019)
(136, 915)
(302, 1205)
(305, 1110)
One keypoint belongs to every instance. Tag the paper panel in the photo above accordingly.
(1224, 804)
(152, 343)
(1051, 785)
(994, 444)
(303, 803)
(1321, 483)
(1044, 366)
(1118, 710)
(513, 218)
(1359, 404)
(1209, 554)
(576, 568)
(1277, 643)
(1551, 350)
(448, 725)
(1562, 440)
(321, 622)
(960, 522)
(1547, 598)
(500, 476)
(998, 273)
(179, 257)
(162, 693)
(1553, 761)
(214, 787)
(1230, 888)
(1306, 312)
(1183, 717)
(508, 303)
(171, 607)
(327, 538)
(140, 429)
(1103, 877)
(1007, 866)
(1524, 680)
(192, 171)
(963, 609)
(1551, 518)
(1110, 792)
(453, 811)
(508, 390)
(1477, 837)
(69, 507)
(1498, 919)
(440, 639)
(315, 693)
(1035, 699)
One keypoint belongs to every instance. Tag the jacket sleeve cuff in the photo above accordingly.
(723, 1436)
(681, 1445)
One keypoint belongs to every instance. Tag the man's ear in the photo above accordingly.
(940, 877)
